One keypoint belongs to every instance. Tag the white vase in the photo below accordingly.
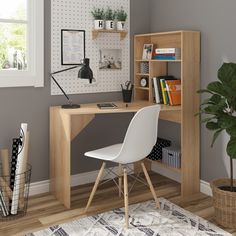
(120, 25)
(98, 24)
(110, 24)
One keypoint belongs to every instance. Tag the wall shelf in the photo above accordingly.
(122, 33)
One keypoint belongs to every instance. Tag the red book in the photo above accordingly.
(173, 88)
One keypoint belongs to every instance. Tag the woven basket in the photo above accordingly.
(224, 203)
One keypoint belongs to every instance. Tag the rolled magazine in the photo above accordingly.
(19, 170)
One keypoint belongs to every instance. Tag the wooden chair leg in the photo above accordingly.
(150, 185)
(95, 186)
(120, 179)
(126, 199)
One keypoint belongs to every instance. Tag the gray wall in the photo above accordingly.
(214, 18)
(31, 105)
(216, 21)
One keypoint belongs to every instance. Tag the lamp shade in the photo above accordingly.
(85, 71)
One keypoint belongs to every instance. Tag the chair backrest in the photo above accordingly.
(141, 135)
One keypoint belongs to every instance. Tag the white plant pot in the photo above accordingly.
(98, 24)
(110, 24)
(120, 25)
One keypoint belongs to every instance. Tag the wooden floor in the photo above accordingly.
(44, 210)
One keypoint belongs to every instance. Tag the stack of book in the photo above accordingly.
(167, 90)
(167, 54)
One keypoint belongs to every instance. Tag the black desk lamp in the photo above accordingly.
(85, 72)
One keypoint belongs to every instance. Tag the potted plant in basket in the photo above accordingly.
(121, 17)
(220, 109)
(110, 17)
(98, 15)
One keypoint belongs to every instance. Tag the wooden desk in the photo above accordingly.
(66, 124)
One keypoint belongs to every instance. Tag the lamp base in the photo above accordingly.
(70, 106)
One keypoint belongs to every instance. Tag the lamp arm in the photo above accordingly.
(61, 88)
(60, 71)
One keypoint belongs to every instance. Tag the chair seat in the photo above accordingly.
(107, 153)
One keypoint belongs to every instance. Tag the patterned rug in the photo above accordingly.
(145, 220)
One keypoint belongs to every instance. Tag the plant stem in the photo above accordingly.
(231, 174)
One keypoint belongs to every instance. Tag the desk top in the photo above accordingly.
(91, 108)
(171, 113)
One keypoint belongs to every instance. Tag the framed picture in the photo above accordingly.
(72, 46)
(147, 51)
(110, 59)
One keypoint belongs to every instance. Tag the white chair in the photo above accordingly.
(139, 140)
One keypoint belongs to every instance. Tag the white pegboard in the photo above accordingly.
(76, 14)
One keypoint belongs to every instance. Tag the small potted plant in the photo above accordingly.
(98, 15)
(220, 109)
(121, 17)
(110, 17)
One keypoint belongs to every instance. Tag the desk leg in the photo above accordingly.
(63, 128)
(60, 142)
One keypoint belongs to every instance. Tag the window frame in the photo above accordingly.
(34, 76)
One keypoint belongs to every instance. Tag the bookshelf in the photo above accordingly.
(184, 115)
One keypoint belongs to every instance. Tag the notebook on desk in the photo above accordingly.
(107, 105)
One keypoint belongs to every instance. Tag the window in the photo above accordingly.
(21, 43)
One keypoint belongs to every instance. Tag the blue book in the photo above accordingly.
(161, 57)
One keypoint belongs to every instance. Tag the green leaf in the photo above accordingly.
(231, 148)
(204, 91)
(212, 125)
(227, 73)
(227, 121)
(216, 134)
(217, 87)
(215, 109)
(215, 98)
(207, 119)
(231, 131)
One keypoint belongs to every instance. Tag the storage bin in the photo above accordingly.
(171, 156)
(14, 198)
(156, 153)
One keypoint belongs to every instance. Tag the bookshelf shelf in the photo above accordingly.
(158, 60)
(141, 74)
(158, 162)
(142, 88)
(122, 33)
(184, 114)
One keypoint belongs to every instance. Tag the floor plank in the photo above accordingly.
(44, 210)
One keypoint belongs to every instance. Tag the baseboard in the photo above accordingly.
(204, 186)
(79, 179)
(89, 177)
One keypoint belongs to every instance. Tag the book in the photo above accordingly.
(106, 105)
(159, 90)
(162, 82)
(165, 77)
(167, 50)
(166, 57)
(156, 90)
(174, 90)
(167, 54)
